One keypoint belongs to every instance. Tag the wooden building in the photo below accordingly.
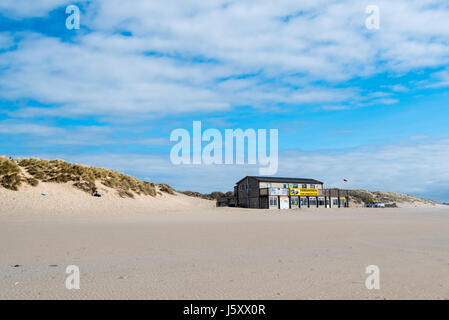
(287, 193)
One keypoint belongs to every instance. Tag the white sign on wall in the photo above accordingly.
(278, 192)
(284, 203)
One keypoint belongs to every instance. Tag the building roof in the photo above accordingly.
(282, 180)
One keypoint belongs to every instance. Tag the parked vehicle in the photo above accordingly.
(375, 204)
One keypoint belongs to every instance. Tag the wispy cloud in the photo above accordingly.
(19, 9)
(178, 55)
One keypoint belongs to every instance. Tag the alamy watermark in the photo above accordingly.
(73, 280)
(373, 20)
(190, 150)
(373, 280)
(73, 20)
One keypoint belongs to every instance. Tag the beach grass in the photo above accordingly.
(85, 178)
(10, 177)
(364, 196)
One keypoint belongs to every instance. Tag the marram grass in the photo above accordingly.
(32, 171)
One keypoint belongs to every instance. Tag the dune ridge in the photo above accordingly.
(32, 171)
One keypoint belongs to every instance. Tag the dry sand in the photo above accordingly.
(186, 249)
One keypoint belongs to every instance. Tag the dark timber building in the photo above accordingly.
(287, 193)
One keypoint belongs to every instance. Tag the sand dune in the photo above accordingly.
(63, 199)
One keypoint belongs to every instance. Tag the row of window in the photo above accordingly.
(303, 200)
(295, 201)
(286, 186)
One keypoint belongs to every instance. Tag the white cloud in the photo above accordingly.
(334, 107)
(326, 39)
(414, 168)
(26, 9)
(286, 45)
(13, 128)
(439, 79)
(6, 40)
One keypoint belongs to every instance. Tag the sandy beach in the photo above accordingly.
(142, 249)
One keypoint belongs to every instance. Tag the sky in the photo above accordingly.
(366, 105)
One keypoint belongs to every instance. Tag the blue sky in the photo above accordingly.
(370, 106)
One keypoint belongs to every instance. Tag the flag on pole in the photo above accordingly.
(344, 180)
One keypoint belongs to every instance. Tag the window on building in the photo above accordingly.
(294, 201)
(304, 186)
(295, 186)
(312, 186)
(303, 202)
(335, 202)
(268, 185)
(285, 185)
(312, 201)
(321, 201)
(273, 201)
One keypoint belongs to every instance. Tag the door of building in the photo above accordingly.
(294, 202)
(284, 203)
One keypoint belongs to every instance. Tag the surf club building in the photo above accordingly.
(287, 193)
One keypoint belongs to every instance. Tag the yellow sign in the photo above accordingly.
(304, 192)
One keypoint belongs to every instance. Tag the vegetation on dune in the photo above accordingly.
(208, 196)
(364, 196)
(85, 178)
(10, 177)
(166, 188)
